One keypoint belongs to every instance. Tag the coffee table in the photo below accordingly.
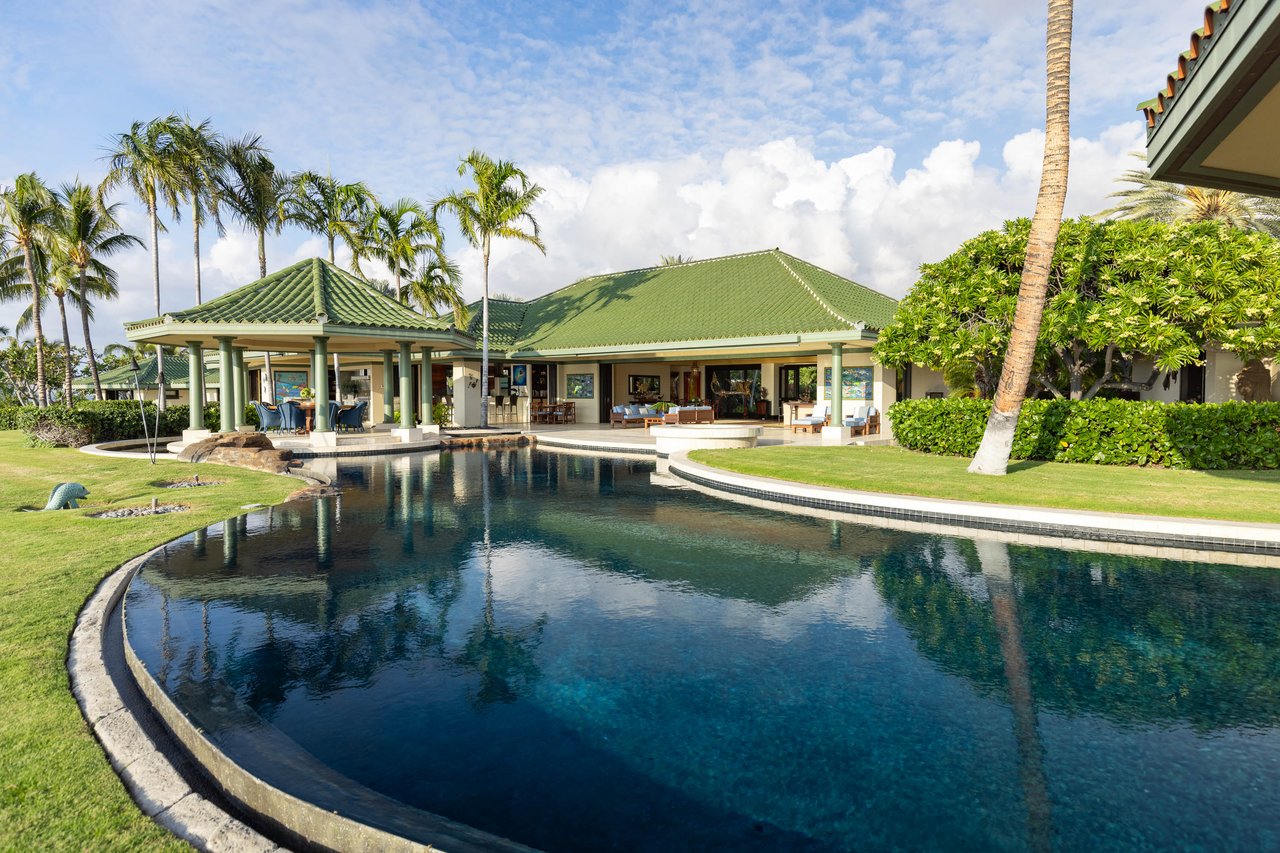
(648, 422)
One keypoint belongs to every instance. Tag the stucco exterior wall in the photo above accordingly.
(586, 410)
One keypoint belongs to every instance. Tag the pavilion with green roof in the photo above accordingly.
(311, 307)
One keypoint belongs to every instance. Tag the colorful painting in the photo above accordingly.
(644, 386)
(289, 384)
(857, 382)
(519, 375)
(580, 386)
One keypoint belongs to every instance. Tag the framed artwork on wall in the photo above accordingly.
(519, 375)
(644, 386)
(580, 386)
(856, 383)
(289, 384)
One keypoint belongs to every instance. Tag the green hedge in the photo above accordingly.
(108, 420)
(1104, 432)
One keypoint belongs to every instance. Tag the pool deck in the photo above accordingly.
(636, 440)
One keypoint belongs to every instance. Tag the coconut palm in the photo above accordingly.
(674, 260)
(83, 233)
(498, 204)
(397, 234)
(1168, 202)
(146, 160)
(436, 286)
(199, 160)
(253, 191)
(29, 208)
(997, 441)
(333, 210)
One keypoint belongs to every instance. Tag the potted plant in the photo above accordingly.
(306, 393)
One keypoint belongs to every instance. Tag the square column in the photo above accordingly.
(388, 392)
(195, 430)
(426, 393)
(226, 407)
(835, 433)
(466, 393)
(320, 382)
(237, 387)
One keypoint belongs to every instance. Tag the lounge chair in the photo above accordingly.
(813, 421)
(269, 417)
(291, 417)
(865, 420)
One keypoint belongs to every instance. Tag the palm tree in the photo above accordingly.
(497, 204)
(436, 285)
(85, 231)
(1168, 202)
(29, 208)
(997, 441)
(254, 191)
(146, 159)
(199, 160)
(397, 235)
(323, 206)
(674, 260)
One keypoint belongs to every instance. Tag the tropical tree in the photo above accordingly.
(331, 209)
(498, 204)
(29, 209)
(199, 158)
(436, 286)
(993, 454)
(84, 232)
(673, 260)
(253, 191)
(397, 234)
(146, 160)
(1169, 202)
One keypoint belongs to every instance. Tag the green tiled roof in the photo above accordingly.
(301, 293)
(176, 374)
(753, 295)
(1216, 16)
(506, 319)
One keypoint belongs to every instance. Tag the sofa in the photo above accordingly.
(690, 415)
(630, 415)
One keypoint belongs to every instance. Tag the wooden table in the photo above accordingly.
(308, 408)
(648, 422)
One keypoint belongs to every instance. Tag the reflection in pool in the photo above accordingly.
(551, 649)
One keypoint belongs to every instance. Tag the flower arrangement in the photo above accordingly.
(306, 393)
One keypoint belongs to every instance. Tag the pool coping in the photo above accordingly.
(1231, 542)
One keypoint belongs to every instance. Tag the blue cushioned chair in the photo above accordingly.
(291, 417)
(334, 406)
(269, 417)
(353, 418)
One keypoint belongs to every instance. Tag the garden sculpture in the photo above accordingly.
(65, 495)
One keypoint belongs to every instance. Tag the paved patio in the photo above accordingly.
(638, 440)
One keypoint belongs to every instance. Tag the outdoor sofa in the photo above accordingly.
(631, 415)
(689, 415)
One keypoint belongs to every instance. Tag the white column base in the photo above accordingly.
(407, 435)
(246, 428)
(191, 436)
(430, 429)
(835, 434)
(324, 439)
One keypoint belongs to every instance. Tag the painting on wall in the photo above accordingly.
(579, 386)
(289, 384)
(856, 383)
(519, 375)
(644, 386)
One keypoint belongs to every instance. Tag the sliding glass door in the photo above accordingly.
(734, 390)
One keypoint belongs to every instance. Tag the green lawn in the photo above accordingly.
(1231, 495)
(57, 791)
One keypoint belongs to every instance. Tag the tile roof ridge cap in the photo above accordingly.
(317, 288)
(777, 254)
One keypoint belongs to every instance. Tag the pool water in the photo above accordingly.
(552, 649)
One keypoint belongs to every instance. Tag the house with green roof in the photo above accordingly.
(122, 383)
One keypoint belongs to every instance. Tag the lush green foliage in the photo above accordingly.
(107, 420)
(1118, 291)
(1107, 432)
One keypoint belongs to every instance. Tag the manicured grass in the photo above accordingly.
(1230, 495)
(57, 791)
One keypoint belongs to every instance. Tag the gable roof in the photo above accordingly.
(754, 295)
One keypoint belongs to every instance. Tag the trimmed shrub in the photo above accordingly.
(1103, 432)
(9, 415)
(93, 421)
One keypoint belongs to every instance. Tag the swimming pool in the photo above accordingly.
(552, 649)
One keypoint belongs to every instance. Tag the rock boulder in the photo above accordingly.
(251, 450)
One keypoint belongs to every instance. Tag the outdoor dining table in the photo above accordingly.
(308, 408)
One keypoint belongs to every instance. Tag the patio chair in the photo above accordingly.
(813, 421)
(269, 417)
(291, 417)
(353, 417)
(856, 420)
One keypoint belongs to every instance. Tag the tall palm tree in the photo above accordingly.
(333, 210)
(436, 286)
(29, 208)
(397, 234)
(1169, 202)
(498, 204)
(146, 160)
(253, 191)
(199, 160)
(997, 441)
(84, 232)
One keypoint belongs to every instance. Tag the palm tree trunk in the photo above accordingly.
(88, 343)
(398, 283)
(42, 389)
(66, 343)
(331, 260)
(195, 242)
(997, 441)
(271, 378)
(262, 253)
(155, 292)
(484, 346)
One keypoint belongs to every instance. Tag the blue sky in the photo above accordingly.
(867, 137)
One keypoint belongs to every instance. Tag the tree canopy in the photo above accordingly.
(1118, 291)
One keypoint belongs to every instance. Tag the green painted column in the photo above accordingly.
(320, 372)
(837, 385)
(226, 409)
(388, 390)
(406, 387)
(237, 386)
(425, 391)
(195, 384)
